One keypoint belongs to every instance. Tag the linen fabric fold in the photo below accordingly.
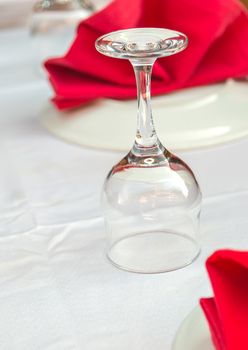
(217, 32)
(227, 311)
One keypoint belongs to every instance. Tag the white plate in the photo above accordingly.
(194, 333)
(192, 118)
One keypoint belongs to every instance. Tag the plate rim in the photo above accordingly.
(50, 119)
(194, 315)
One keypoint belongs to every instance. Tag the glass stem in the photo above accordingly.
(146, 138)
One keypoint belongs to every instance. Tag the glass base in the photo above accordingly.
(153, 252)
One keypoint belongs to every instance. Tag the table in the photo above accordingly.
(57, 290)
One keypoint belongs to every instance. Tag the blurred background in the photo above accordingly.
(14, 13)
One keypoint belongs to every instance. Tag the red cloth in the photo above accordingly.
(227, 312)
(217, 32)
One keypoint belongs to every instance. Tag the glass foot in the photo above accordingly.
(141, 43)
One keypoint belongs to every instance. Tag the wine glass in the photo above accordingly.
(53, 25)
(151, 199)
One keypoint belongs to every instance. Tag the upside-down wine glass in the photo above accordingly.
(151, 199)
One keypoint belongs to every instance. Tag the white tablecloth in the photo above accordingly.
(57, 290)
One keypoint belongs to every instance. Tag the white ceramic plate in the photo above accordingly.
(193, 334)
(189, 119)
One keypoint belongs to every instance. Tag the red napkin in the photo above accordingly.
(217, 32)
(227, 312)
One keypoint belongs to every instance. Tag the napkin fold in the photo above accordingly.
(227, 311)
(217, 32)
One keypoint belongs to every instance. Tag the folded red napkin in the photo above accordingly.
(217, 32)
(227, 312)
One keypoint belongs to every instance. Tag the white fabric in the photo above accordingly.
(57, 291)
